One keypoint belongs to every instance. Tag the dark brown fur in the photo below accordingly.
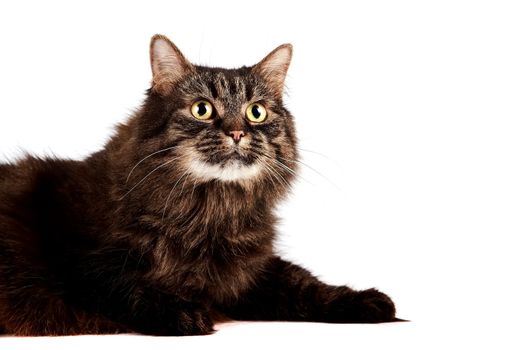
(129, 240)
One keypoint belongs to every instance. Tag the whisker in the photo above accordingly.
(275, 172)
(293, 172)
(213, 142)
(315, 171)
(278, 163)
(171, 191)
(206, 148)
(145, 177)
(167, 199)
(193, 189)
(269, 172)
(263, 153)
(181, 189)
(317, 153)
(151, 155)
(286, 167)
(290, 171)
(184, 183)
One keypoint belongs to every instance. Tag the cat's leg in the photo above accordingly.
(32, 299)
(288, 292)
(51, 317)
(148, 311)
(125, 296)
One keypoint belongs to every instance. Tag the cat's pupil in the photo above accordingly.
(256, 112)
(201, 108)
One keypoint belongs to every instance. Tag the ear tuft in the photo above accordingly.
(273, 67)
(168, 64)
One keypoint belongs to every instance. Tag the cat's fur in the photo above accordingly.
(170, 227)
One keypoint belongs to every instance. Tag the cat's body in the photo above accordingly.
(170, 227)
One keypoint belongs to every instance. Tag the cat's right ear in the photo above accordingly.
(273, 68)
(168, 64)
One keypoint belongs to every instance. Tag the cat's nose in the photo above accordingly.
(236, 135)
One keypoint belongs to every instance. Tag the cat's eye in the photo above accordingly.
(202, 110)
(256, 113)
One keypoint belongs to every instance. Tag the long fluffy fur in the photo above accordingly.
(131, 240)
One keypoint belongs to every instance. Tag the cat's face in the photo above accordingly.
(229, 124)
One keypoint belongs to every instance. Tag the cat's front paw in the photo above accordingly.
(194, 322)
(367, 306)
(189, 320)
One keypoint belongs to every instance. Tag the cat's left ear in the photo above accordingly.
(168, 64)
(273, 67)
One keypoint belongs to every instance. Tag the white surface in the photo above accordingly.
(415, 109)
(281, 335)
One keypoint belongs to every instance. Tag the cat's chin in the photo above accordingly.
(233, 170)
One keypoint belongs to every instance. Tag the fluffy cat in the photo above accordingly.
(170, 227)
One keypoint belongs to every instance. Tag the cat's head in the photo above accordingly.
(226, 125)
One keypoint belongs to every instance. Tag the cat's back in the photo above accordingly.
(48, 191)
(31, 177)
(17, 180)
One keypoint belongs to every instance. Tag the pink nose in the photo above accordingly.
(236, 135)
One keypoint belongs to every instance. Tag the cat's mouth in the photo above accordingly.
(234, 165)
(237, 155)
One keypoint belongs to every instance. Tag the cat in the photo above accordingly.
(169, 228)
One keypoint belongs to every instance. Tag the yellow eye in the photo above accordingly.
(256, 113)
(202, 110)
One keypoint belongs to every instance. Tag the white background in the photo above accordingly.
(415, 110)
